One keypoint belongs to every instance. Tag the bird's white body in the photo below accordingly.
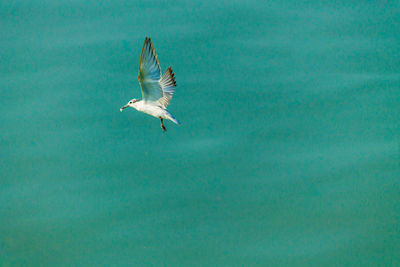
(151, 108)
(157, 89)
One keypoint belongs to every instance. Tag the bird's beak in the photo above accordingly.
(124, 107)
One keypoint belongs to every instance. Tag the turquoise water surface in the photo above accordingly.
(288, 153)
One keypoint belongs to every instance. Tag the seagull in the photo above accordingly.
(157, 90)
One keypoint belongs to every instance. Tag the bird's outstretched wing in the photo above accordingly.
(149, 73)
(154, 88)
(168, 86)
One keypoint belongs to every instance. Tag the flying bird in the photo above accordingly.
(157, 90)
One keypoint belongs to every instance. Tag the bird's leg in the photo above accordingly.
(162, 126)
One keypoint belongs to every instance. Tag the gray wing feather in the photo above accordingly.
(154, 87)
(168, 85)
(149, 72)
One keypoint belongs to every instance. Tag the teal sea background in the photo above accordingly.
(288, 153)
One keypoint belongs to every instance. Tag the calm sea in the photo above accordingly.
(288, 153)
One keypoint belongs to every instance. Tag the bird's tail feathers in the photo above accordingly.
(172, 118)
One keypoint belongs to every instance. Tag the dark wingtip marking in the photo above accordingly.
(172, 74)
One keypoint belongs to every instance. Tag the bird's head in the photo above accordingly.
(130, 104)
